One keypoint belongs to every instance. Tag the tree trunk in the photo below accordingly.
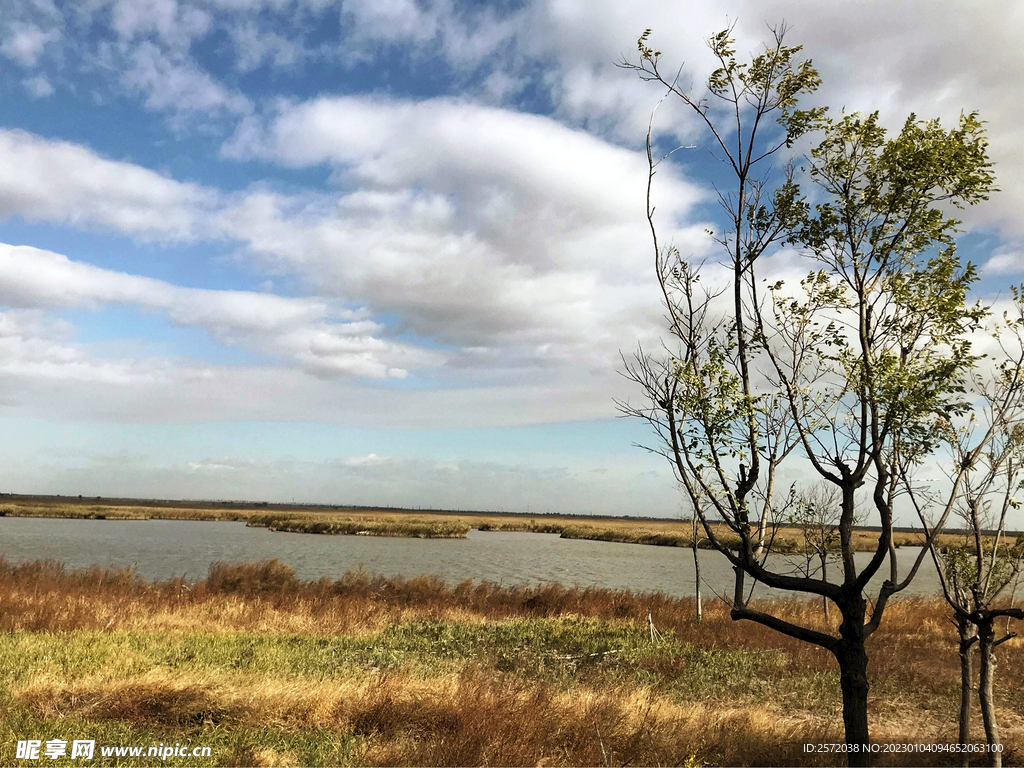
(986, 642)
(696, 570)
(964, 629)
(824, 577)
(853, 678)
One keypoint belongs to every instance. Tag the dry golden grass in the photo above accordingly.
(267, 597)
(740, 695)
(473, 718)
(477, 717)
(119, 512)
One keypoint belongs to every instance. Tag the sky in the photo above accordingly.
(387, 252)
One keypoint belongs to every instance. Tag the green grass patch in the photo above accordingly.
(564, 651)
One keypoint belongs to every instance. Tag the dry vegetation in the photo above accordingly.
(267, 669)
(118, 512)
(363, 525)
(418, 524)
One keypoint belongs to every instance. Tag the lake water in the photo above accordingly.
(160, 549)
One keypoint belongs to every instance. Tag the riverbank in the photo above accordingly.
(269, 670)
(420, 524)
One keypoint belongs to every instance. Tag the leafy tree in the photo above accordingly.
(857, 374)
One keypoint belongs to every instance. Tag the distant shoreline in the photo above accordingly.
(418, 523)
(280, 506)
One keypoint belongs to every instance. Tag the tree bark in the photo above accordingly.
(696, 569)
(824, 577)
(853, 677)
(967, 639)
(986, 643)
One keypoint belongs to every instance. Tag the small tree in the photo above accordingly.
(975, 574)
(856, 374)
(817, 513)
(971, 580)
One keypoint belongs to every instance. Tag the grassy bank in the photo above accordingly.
(363, 526)
(334, 522)
(676, 533)
(119, 512)
(266, 669)
(418, 524)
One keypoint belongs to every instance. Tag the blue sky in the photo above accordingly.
(387, 252)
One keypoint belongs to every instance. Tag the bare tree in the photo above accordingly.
(817, 513)
(975, 574)
(972, 580)
(856, 374)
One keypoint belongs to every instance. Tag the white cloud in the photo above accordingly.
(935, 64)
(303, 330)
(38, 349)
(144, 48)
(479, 226)
(391, 143)
(222, 465)
(392, 20)
(176, 83)
(37, 278)
(362, 461)
(45, 180)
(254, 45)
(38, 87)
(1004, 264)
(185, 393)
(568, 50)
(174, 23)
(499, 86)
(511, 255)
(25, 43)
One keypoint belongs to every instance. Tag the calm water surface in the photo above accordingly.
(160, 549)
